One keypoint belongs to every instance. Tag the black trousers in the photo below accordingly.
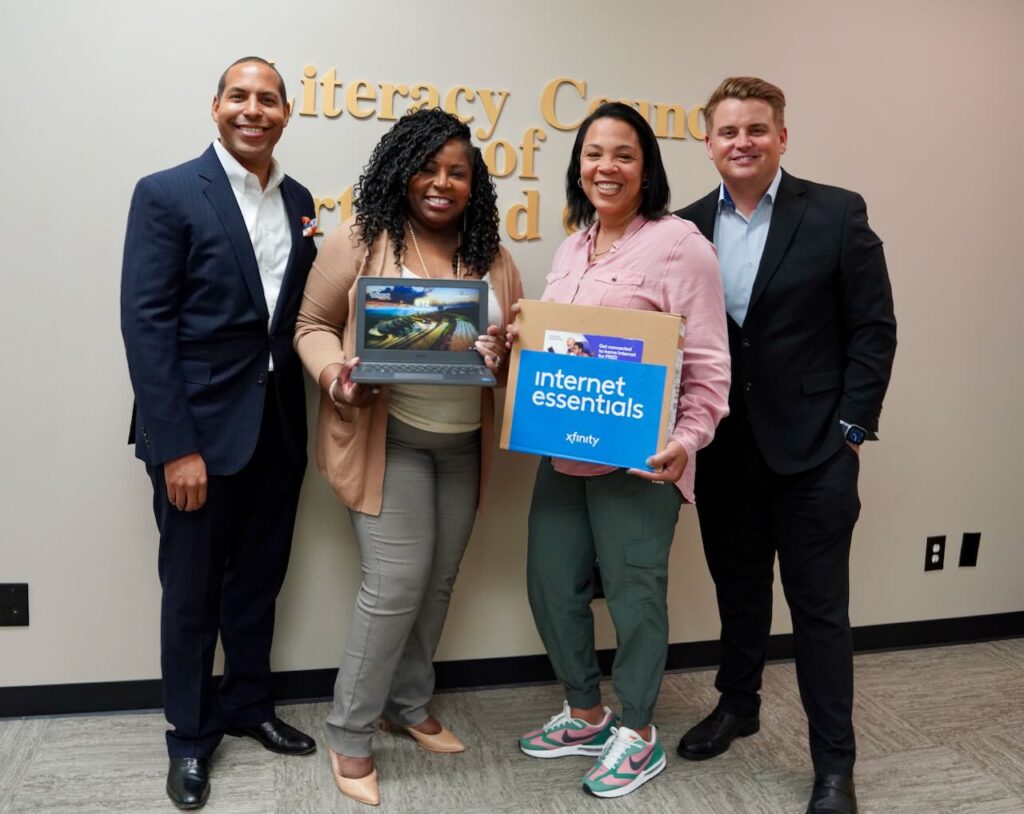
(221, 568)
(748, 513)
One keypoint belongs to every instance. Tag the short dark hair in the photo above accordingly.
(381, 194)
(222, 82)
(655, 194)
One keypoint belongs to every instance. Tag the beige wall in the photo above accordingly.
(915, 104)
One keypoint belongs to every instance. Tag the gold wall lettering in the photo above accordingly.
(564, 103)
(669, 120)
(531, 211)
(364, 99)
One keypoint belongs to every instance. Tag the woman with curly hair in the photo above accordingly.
(409, 461)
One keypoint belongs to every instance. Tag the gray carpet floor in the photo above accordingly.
(939, 730)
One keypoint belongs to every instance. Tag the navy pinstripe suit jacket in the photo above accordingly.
(194, 319)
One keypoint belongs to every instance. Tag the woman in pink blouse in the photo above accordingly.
(628, 253)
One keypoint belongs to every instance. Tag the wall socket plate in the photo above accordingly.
(969, 549)
(14, 604)
(935, 553)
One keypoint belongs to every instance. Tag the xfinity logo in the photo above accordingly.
(576, 438)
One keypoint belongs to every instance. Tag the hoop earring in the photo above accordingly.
(579, 182)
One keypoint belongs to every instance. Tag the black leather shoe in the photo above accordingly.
(188, 782)
(713, 735)
(277, 736)
(833, 794)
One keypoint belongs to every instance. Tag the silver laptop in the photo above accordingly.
(411, 331)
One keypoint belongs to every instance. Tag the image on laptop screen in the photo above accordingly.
(421, 317)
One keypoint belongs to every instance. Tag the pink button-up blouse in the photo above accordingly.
(662, 265)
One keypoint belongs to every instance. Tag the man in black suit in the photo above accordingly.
(812, 336)
(215, 261)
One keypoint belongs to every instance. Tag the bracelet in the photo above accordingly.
(330, 393)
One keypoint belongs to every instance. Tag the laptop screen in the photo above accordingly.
(420, 316)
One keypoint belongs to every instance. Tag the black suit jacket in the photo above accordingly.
(819, 337)
(194, 319)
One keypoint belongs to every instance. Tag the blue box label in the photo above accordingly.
(587, 409)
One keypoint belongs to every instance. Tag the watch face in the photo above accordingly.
(855, 435)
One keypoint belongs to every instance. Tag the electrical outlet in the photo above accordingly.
(935, 553)
(969, 549)
(14, 604)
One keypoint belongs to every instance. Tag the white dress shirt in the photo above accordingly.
(266, 220)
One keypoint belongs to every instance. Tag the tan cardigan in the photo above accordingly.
(350, 449)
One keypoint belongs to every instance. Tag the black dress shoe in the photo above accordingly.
(188, 782)
(833, 794)
(277, 736)
(713, 735)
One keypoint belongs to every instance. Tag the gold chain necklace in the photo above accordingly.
(593, 255)
(419, 254)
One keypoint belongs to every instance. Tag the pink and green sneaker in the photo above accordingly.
(564, 735)
(627, 762)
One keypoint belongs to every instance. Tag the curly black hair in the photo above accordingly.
(380, 199)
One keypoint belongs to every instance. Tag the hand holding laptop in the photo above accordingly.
(336, 380)
(512, 329)
(492, 348)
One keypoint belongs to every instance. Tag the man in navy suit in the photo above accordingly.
(812, 336)
(215, 261)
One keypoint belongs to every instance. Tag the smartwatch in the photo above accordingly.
(852, 433)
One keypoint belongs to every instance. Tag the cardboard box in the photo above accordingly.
(592, 383)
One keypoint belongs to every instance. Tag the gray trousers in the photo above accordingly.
(410, 557)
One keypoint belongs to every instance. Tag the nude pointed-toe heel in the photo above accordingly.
(444, 741)
(364, 789)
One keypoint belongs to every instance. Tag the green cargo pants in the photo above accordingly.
(627, 524)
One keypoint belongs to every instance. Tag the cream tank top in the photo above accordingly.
(440, 407)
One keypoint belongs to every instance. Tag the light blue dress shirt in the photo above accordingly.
(740, 243)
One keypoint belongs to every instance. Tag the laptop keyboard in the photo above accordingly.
(470, 371)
